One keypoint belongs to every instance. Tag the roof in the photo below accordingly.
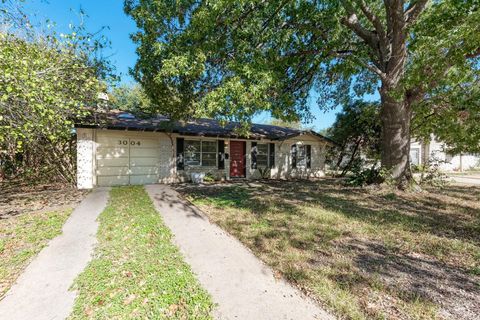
(121, 120)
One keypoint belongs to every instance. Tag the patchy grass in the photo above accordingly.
(137, 272)
(22, 237)
(366, 254)
(18, 197)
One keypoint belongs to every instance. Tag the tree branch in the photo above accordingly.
(414, 10)
(379, 28)
(474, 54)
(353, 24)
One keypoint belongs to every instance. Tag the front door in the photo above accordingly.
(237, 159)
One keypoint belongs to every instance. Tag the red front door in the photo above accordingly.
(237, 159)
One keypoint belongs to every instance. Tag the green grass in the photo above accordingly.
(22, 237)
(362, 253)
(137, 273)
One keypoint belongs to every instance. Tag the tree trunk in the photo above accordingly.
(396, 118)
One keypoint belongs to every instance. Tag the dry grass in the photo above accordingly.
(22, 237)
(30, 215)
(17, 198)
(363, 253)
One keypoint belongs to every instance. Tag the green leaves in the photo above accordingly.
(234, 59)
(46, 81)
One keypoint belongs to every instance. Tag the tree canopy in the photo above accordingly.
(233, 59)
(130, 98)
(47, 80)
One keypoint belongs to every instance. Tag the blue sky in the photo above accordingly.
(109, 13)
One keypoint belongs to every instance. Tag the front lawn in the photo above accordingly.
(363, 253)
(22, 236)
(137, 273)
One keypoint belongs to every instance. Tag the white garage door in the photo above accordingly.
(131, 158)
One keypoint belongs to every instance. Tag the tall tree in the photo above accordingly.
(232, 59)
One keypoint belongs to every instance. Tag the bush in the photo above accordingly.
(361, 177)
(209, 177)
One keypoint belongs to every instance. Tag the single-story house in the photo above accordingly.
(119, 148)
(436, 152)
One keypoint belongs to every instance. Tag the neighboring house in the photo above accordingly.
(435, 151)
(121, 149)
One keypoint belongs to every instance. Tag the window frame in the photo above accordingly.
(301, 160)
(201, 152)
(263, 154)
(414, 150)
(301, 157)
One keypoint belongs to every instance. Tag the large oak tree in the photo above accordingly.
(232, 59)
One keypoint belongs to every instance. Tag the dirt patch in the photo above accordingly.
(414, 276)
(17, 198)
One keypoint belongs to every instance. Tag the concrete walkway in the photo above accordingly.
(241, 285)
(42, 291)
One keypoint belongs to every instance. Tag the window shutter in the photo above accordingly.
(271, 155)
(254, 155)
(293, 155)
(221, 154)
(308, 152)
(180, 158)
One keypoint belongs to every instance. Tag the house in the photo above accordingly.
(119, 148)
(434, 151)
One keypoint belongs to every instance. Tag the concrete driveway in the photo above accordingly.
(42, 292)
(241, 285)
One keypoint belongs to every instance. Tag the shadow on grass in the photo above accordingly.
(279, 207)
(422, 213)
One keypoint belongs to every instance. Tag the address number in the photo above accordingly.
(132, 142)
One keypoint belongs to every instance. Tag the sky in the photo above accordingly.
(109, 13)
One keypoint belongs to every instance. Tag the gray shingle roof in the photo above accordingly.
(120, 120)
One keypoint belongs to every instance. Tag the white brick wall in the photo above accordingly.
(86, 150)
(85, 160)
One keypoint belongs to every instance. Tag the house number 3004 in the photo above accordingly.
(132, 142)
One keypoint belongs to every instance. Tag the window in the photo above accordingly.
(200, 153)
(415, 156)
(301, 155)
(209, 153)
(192, 152)
(262, 155)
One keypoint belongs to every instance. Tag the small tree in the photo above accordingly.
(357, 130)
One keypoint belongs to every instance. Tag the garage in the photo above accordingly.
(124, 158)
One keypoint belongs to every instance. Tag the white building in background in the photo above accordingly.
(435, 151)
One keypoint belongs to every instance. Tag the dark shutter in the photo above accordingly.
(293, 155)
(308, 152)
(221, 154)
(254, 155)
(180, 158)
(271, 155)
